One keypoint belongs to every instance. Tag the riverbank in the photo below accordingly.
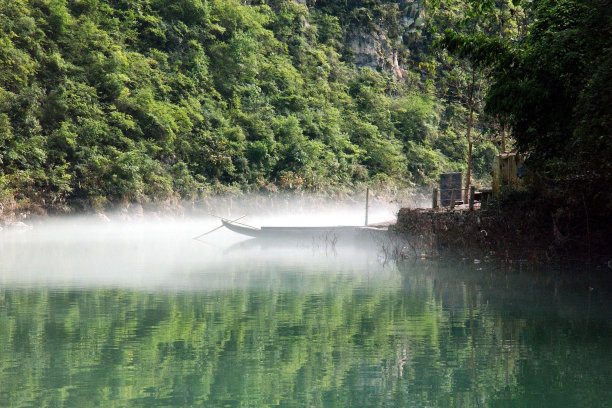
(522, 226)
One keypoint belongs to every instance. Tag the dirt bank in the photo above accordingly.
(524, 226)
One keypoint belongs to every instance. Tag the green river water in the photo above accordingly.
(93, 320)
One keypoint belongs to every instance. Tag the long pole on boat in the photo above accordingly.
(367, 204)
(221, 226)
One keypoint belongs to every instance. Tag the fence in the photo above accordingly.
(456, 197)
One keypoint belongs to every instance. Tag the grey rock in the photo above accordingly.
(102, 217)
(18, 226)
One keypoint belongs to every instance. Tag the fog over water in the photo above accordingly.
(159, 253)
(131, 311)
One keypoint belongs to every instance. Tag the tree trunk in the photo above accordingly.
(469, 166)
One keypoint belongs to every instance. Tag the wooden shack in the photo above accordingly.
(507, 172)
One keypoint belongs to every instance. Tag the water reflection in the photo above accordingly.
(194, 326)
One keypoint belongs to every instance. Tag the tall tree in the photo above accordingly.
(475, 31)
(554, 89)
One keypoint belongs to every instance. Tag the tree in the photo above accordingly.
(553, 88)
(478, 32)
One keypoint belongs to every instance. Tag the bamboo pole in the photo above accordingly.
(472, 193)
(367, 205)
(219, 227)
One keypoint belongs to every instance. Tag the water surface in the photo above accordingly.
(143, 316)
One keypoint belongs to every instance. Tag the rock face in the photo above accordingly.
(371, 46)
(381, 38)
(373, 50)
(18, 226)
(101, 217)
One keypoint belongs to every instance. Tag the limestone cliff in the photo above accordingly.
(379, 44)
(381, 34)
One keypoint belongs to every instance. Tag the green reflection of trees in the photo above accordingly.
(339, 342)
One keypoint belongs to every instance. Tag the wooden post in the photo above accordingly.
(367, 204)
(452, 203)
(434, 198)
(483, 199)
(472, 192)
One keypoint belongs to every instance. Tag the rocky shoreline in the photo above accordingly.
(532, 232)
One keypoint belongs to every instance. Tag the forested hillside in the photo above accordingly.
(110, 101)
(106, 101)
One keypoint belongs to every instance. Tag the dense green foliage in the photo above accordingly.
(108, 101)
(551, 85)
(104, 101)
(555, 89)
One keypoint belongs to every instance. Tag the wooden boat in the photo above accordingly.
(302, 232)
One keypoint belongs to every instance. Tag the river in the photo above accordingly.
(143, 316)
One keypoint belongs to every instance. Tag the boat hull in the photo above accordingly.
(302, 232)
